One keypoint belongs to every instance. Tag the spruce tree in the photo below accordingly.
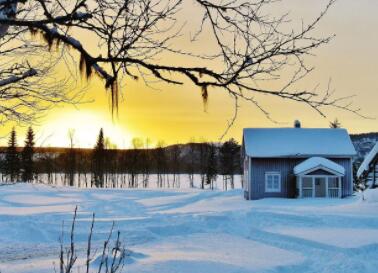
(211, 165)
(27, 157)
(99, 160)
(229, 160)
(335, 124)
(203, 155)
(71, 158)
(192, 161)
(12, 160)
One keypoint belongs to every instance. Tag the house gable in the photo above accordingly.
(320, 171)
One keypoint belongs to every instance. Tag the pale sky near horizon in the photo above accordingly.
(176, 114)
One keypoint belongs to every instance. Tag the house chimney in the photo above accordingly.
(297, 124)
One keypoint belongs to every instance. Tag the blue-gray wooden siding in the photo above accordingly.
(259, 166)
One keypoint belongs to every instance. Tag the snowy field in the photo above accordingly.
(189, 230)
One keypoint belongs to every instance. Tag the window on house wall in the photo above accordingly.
(272, 182)
(307, 187)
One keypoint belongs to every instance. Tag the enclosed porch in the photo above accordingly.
(319, 177)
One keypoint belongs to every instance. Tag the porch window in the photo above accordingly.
(273, 182)
(319, 186)
(333, 187)
(307, 187)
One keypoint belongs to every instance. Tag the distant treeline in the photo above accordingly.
(102, 166)
(371, 135)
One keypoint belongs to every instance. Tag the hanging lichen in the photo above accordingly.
(112, 86)
(48, 37)
(85, 67)
(205, 96)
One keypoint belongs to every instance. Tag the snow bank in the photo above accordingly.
(338, 237)
(212, 253)
(190, 230)
(370, 195)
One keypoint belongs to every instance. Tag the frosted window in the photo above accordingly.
(273, 182)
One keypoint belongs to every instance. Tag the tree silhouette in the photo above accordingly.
(229, 161)
(99, 160)
(175, 158)
(211, 165)
(203, 161)
(335, 124)
(71, 158)
(192, 161)
(249, 46)
(12, 160)
(160, 158)
(27, 156)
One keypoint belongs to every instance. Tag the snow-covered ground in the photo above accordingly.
(190, 230)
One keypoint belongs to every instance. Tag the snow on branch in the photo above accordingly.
(13, 79)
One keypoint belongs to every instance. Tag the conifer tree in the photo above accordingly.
(335, 124)
(229, 160)
(211, 165)
(27, 157)
(99, 160)
(12, 160)
(203, 155)
(192, 161)
(71, 158)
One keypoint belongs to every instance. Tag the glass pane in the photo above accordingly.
(332, 182)
(276, 182)
(270, 182)
(307, 182)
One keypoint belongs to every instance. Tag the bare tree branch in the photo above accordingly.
(138, 38)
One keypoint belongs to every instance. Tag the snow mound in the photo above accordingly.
(370, 195)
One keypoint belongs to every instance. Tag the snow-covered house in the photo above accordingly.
(297, 162)
(368, 171)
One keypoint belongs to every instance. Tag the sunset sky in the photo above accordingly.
(176, 114)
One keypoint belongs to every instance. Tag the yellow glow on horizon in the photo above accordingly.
(86, 126)
(175, 113)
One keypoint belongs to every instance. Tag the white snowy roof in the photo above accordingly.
(315, 163)
(368, 158)
(297, 142)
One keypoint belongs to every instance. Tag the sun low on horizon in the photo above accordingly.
(84, 126)
(177, 136)
(176, 113)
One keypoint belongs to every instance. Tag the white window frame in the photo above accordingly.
(278, 174)
(326, 177)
